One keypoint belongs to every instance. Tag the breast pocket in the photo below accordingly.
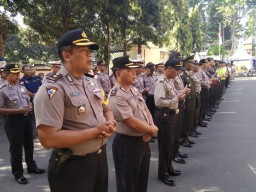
(13, 100)
(77, 108)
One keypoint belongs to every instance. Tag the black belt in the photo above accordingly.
(17, 115)
(129, 137)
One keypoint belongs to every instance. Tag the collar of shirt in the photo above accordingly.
(69, 78)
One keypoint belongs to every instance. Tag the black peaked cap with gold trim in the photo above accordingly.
(76, 37)
(124, 63)
(12, 68)
(189, 59)
(175, 63)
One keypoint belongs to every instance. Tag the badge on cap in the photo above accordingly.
(51, 91)
(81, 110)
(16, 66)
(84, 35)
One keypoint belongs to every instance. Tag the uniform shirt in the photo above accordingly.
(165, 93)
(104, 81)
(13, 96)
(157, 76)
(125, 104)
(71, 104)
(32, 84)
(139, 84)
(197, 82)
(204, 79)
(149, 82)
(178, 84)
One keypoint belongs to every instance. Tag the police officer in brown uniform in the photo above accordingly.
(167, 100)
(73, 117)
(135, 127)
(3, 76)
(102, 77)
(16, 106)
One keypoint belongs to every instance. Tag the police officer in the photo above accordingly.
(3, 76)
(55, 67)
(16, 106)
(135, 126)
(167, 100)
(197, 83)
(139, 83)
(159, 70)
(73, 117)
(102, 77)
(190, 102)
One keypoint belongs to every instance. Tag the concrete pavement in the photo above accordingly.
(222, 160)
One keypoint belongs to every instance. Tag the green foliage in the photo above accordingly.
(214, 49)
(195, 28)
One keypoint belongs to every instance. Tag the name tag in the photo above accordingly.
(75, 94)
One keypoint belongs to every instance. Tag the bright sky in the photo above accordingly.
(18, 18)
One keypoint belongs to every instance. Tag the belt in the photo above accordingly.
(17, 115)
(174, 111)
(129, 136)
(98, 152)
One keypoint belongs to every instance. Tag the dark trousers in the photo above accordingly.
(19, 132)
(166, 138)
(178, 128)
(197, 112)
(150, 102)
(204, 100)
(76, 173)
(131, 158)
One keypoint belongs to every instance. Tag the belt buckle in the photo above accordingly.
(177, 111)
(99, 151)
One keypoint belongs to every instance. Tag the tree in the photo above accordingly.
(6, 27)
(195, 28)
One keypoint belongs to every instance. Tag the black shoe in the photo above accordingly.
(21, 180)
(204, 122)
(197, 132)
(202, 125)
(36, 171)
(208, 116)
(168, 181)
(193, 134)
(175, 173)
(191, 142)
(152, 141)
(178, 159)
(187, 145)
(213, 110)
(206, 119)
(183, 155)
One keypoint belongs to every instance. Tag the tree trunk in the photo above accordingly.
(233, 33)
(1, 45)
(65, 21)
(124, 41)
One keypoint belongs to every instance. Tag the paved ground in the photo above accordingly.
(223, 159)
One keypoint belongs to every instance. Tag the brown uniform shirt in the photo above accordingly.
(149, 82)
(178, 84)
(165, 93)
(197, 82)
(126, 104)
(204, 79)
(13, 96)
(71, 104)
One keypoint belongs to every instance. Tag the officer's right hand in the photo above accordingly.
(25, 110)
(181, 97)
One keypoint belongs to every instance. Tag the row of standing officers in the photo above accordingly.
(75, 116)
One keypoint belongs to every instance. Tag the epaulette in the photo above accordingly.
(88, 75)
(3, 85)
(53, 78)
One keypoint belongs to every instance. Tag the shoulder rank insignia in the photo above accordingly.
(51, 91)
(161, 80)
(53, 78)
(3, 85)
(113, 92)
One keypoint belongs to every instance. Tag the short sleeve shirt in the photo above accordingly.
(71, 104)
(125, 104)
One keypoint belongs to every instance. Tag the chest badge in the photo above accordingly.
(81, 110)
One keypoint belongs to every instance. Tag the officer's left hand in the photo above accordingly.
(146, 138)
